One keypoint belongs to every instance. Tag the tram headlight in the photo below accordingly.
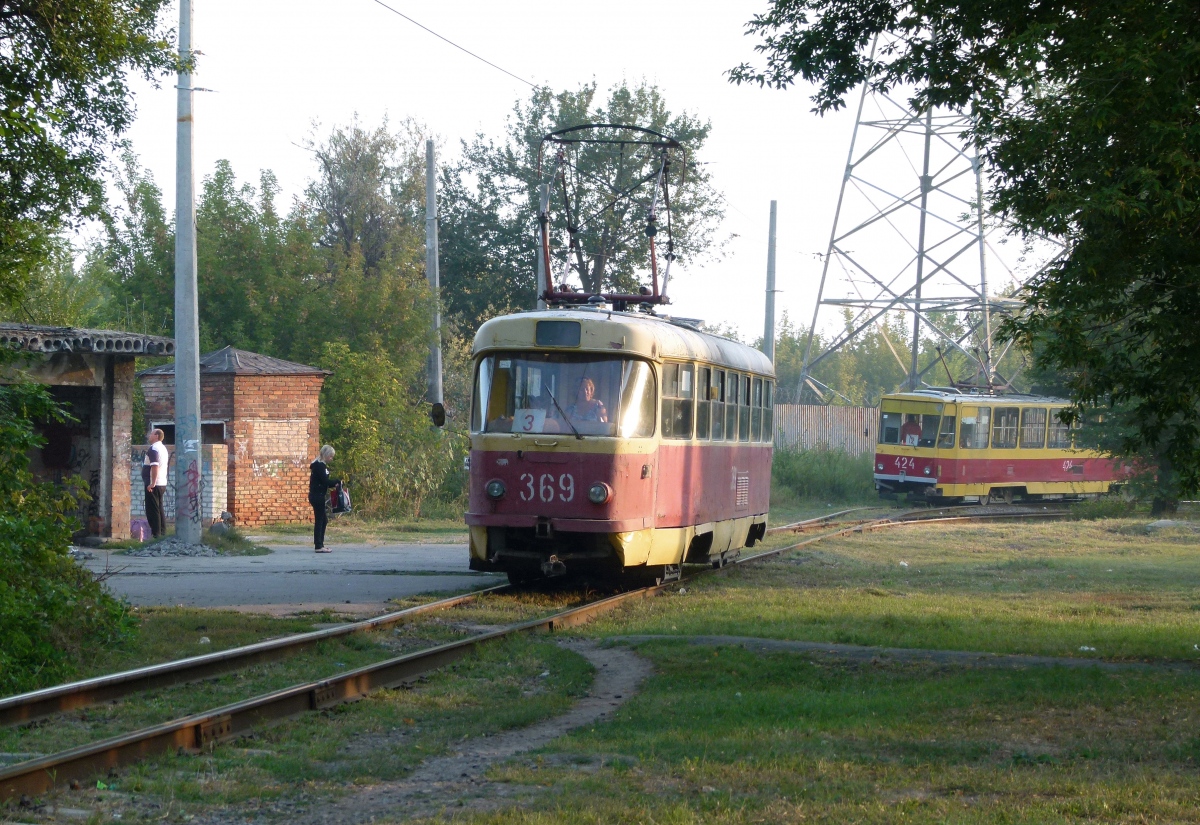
(928, 470)
(494, 488)
(599, 493)
(879, 466)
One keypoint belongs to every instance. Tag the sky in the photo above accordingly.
(280, 73)
(280, 70)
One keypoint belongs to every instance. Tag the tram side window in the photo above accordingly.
(677, 401)
(744, 408)
(946, 436)
(717, 393)
(1004, 428)
(976, 423)
(732, 392)
(1033, 427)
(756, 395)
(703, 402)
(636, 415)
(768, 431)
(889, 427)
(1060, 433)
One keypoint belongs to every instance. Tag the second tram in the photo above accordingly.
(948, 445)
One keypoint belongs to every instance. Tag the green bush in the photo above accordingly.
(828, 475)
(53, 613)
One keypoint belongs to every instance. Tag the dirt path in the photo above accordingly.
(457, 782)
(864, 653)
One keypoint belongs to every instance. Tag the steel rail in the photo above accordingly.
(38, 704)
(203, 730)
(903, 520)
(799, 526)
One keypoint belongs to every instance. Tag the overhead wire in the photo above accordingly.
(455, 45)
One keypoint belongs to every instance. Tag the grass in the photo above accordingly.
(382, 737)
(233, 543)
(724, 735)
(822, 475)
(358, 529)
(1046, 589)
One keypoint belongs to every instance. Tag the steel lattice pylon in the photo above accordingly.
(910, 234)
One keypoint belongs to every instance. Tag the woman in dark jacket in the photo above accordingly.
(319, 483)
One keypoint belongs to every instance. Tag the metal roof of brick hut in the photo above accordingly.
(45, 339)
(233, 361)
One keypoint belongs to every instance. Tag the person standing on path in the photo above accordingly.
(156, 462)
(319, 483)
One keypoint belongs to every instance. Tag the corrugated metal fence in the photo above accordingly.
(807, 427)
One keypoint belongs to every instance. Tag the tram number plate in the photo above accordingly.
(904, 462)
(547, 487)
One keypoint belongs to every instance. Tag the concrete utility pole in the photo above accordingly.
(431, 272)
(188, 475)
(769, 328)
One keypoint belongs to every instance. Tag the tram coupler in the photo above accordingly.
(553, 567)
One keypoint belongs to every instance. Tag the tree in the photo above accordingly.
(1088, 115)
(56, 294)
(64, 71)
(369, 190)
(136, 261)
(53, 613)
(499, 182)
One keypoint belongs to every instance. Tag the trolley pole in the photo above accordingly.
(188, 472)
(543, 276)
(769, 326)
(438, 411)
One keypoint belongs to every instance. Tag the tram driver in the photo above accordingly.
(586, 407)
(910, 431)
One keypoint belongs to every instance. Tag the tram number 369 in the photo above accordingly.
(546, 487)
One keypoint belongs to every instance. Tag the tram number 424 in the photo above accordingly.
(547, 487)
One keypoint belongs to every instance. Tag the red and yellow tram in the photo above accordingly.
(616, 444)
(947, 445)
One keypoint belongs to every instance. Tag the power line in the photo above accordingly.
(455, 45)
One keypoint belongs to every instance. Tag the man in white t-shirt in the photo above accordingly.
(154, 472)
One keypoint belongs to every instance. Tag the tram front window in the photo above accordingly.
(534, 392)
(909, 423)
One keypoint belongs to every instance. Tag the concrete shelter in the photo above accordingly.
(91, 372)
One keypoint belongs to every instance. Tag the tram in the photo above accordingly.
(945, 445)
(615, 444)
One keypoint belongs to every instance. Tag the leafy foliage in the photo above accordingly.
(63, 79)
(338, 282)
(53, 613)
(1089, 118)
(488, 237)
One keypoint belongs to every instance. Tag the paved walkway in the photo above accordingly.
(354, 578)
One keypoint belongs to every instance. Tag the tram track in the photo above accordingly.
(28, 707)
(196, 732)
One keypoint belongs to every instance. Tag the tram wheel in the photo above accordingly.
(520, 578)
(985, 499)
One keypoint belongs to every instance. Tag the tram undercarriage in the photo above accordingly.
(638, 558)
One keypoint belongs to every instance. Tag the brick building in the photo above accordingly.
(91, 373)
(267, 413)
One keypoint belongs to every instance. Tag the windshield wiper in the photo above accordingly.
(564, 414)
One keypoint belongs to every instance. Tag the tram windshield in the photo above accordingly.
(543, 392)
(911, 423)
